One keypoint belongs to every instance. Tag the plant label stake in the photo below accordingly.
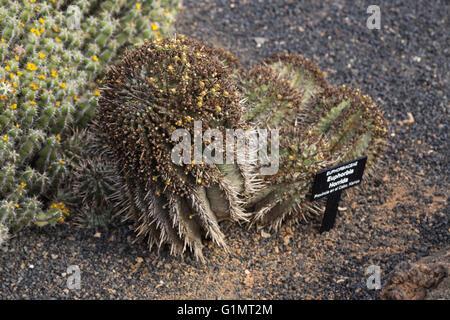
(330, 182)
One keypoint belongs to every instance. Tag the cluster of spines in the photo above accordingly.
(51, 53)
(320, 126)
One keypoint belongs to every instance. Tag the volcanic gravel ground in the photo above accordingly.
(401, 215)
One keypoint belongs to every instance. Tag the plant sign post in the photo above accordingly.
(330, 182)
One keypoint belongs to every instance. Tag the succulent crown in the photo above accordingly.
(159, 87)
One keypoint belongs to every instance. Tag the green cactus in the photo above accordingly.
(51, 55)
(168, 84)
(3, 234)
(320, 126)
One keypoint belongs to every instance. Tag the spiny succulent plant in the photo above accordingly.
(169, 84)
(92, 180)
(156, 89)
(320, 126)
(51, 53)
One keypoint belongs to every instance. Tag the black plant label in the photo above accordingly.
(338, 178)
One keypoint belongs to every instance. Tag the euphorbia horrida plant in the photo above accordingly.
(169, 84)
(157, 88)
(320, 126)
